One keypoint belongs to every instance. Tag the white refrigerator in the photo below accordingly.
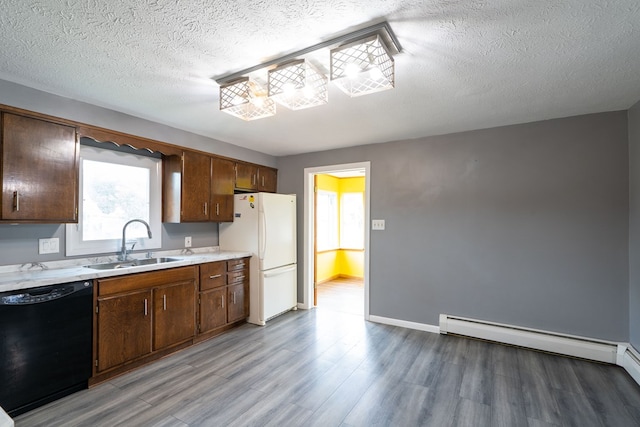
(265, 225)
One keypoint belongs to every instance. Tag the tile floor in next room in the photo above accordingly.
(328, 367)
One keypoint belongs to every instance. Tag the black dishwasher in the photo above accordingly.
(45, 344)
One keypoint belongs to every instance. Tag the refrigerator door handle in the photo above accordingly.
(279, 271)
(263, 231)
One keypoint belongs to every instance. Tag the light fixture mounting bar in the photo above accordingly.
(381, 28)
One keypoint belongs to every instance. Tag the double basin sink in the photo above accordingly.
(131, 263)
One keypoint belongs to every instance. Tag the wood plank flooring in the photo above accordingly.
(328, 367)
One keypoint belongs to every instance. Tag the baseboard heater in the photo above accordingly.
(568, 345)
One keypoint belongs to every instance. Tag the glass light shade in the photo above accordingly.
(297, 85)
(362, 67)
(246, 99)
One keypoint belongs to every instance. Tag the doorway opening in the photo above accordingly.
(337, 263)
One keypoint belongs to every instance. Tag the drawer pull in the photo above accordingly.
(145, 306)
(16, 201)
(164, 302)
(222, 300)
(215, 276)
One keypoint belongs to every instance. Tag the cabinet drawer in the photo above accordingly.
(212, 275)
(234, 277)
(237, 264)
(138, 281)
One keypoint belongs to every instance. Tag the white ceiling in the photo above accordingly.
(465, 64)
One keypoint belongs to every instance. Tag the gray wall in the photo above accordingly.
(634, 226)
(525, 224)
(19, 243)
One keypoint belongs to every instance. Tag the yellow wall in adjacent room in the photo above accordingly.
(340, 262)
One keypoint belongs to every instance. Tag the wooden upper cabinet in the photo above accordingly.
(196, 170)
(246, 176)
(198, 187)
(39, 170)
(222, 189)
(267, 179)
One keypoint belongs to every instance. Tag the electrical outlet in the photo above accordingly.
(377, 224)
(49, 246)
(187, 242)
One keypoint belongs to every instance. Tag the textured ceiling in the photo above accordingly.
(465, 64)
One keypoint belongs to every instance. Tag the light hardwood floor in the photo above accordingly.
(328, 367)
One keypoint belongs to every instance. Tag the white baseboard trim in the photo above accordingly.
(629, 359)
(405, 324)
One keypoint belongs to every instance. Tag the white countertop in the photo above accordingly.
(31, 275)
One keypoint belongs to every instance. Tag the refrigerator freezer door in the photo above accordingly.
(242, 233)
(279, 291)
(277, 224)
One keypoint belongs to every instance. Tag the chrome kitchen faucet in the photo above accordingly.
(123, 250)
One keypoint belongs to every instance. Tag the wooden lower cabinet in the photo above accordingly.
(174, 314)
(213, 310)
(124, 329)
(141, 317)
(237, 301)
(224, 295)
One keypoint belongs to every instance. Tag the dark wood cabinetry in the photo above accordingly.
(246, 177)
(222, 189)
(123, 328)
(174, 314)
(196, 170)
(267, 179)
(250, 177)
(39, 170)
(140, 317)
(198, 188)
(224, 290)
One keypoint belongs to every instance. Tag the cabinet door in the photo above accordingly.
(222, 186)
(267, 180)
(237, 305)
(246, 177)
(196, 173)
(123, 328)
(213, 309)
(174, 314)
(39, 170)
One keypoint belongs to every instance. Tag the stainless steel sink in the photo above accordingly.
(130, 263)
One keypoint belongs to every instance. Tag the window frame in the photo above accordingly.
(334, 243)
(76, 246)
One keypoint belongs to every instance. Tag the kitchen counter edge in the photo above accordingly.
(41, 274)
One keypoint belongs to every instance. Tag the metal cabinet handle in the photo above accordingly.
(215, 276)
(217, 209)
(16, 201)
(164, 302)
(222, 300)
(145, 307)
(234, 297)
(263, 180)
(205, 208)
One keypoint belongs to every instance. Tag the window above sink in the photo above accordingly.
(114, 188)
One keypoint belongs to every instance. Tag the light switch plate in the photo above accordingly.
(187, 242)
(377, 224)
(49, 246)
